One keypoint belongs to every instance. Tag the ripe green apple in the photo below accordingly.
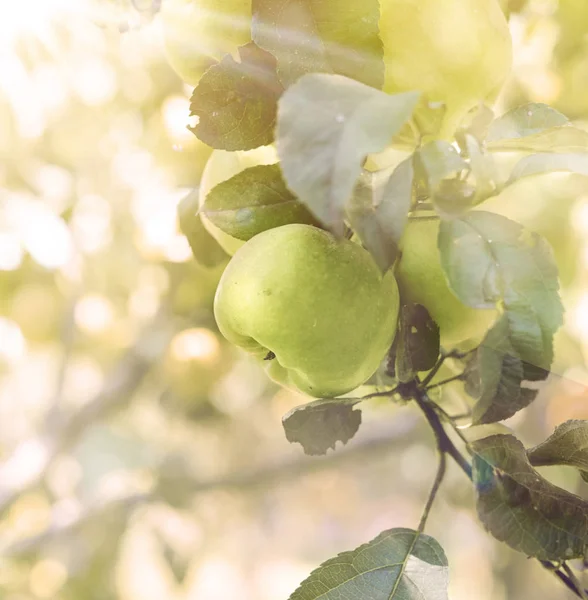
(458, 52)
(316, 311)
(198, 33)
(223, 165)
(421, 280)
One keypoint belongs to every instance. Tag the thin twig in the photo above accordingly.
(383, 394)
(434, 370)
(448, 419)
(441, 470)
(444, 356)
(446, 381)
(379, 443)
(574, 580)
(556, 570)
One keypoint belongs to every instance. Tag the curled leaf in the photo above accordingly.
(521, 508)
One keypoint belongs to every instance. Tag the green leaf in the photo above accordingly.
(482, 167)
(236, 102)
(478, 432)
(437, 161)
(438, 168)
(519, 507)
(476, 126)
(399, 564)
(418, 342)
(327, 125)
(539, 164)
(378, 211)
(319, 425)
(567, 445)
(489, 259)
(453, 198)
(523, 121)
(321, 36)
(497, 375)
(253, 201)
(558, 139)
(393, 194)
(205, 248)
(363, 218)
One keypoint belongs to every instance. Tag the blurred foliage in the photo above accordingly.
(143, 458)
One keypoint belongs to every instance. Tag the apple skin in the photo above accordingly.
(320, 305)
(421, 280)
(197, 33)
(458, 52)
(221, 166)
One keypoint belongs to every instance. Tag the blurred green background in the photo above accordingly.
(141, 457)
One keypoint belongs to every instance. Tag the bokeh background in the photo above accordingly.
(141, 457)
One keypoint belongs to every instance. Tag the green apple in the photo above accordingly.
(421, 280)
(223, 165)
(457, 52)
(316, 311)
(197, 33)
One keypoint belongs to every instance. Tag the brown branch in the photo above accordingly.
(379, 442)
(64, 429)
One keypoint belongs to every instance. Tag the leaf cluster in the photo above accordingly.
(316, 94)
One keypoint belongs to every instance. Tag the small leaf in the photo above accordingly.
(394, 198)
(253, 201)
(236, 102)
(364, 220)
(567, 445)
(399, 564)
(427, 120)
(519, 507)
(378, 211)
(478, 432)
(498, 375)
(489, 259)
(539, 164)
(205, 248)
(437, 161)
(321, 36)
(319, 425)
(483, 169)
(438, 169)
(476, 126)
(524, 121)
(453, 198)
(418, 342)
(327, 125)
